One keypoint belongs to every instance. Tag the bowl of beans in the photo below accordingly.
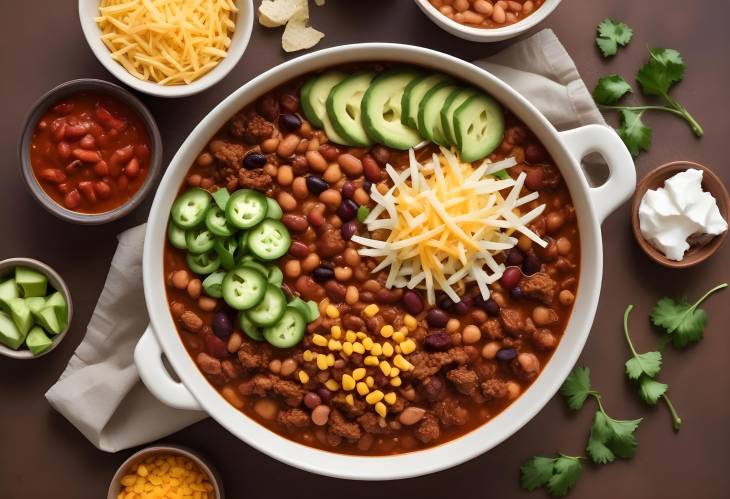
(487, 20)
(90, 151)
(165, 471)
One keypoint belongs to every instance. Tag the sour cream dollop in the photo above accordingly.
(680, 209)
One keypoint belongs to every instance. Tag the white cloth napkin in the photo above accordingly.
(100, 391)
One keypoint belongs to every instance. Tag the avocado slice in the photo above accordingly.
(20, 313)
(456, 99)
(58, 302)
(32, 282)
(344, 108)
(8, 291)
(478, 127)
(429, 113)
(413, 95)
(37, 341)
(10, 336)
(313, 98)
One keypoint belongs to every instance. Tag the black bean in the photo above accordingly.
(348, 230)
(506, 354)
(437, 318)
(462, 307)
(347, 210)
(289, 122)
(514, 257)
(316, 184)
(531, 264)
(322, 274)
(254, 160)
(516, 293)
(438, 341)
(348, 189)
(445, 303)
(222, 326)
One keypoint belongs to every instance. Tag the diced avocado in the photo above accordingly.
(37, 341)
(35, 303)
(32, 282)
(478, 127)
(21, 315)
(429, 113)
(8, 291)
(10, 336)
(58, 302)
(49, 320)
(344, 108)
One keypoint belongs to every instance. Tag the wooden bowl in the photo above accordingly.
(655, 179)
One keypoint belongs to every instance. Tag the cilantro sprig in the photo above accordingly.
(664, 68)
(684, 323)
(642, 368)
(559, 474)
(611, 35)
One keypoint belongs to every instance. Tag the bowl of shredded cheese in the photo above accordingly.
(168, 48)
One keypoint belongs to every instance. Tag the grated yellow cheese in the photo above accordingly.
(446, 221)
(170, 42)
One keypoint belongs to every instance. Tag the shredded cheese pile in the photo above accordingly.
(170, 42)
(447, 221)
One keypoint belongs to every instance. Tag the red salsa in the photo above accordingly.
(90, 152)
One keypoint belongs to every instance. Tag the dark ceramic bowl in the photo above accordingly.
(48, 100)
(655, 179)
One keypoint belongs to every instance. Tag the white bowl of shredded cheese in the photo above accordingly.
(167, 48)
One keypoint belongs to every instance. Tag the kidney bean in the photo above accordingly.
(289, 122)
(348, 189)
(65, 187)
(312, 400)
(535, 153)
(309, 289)
(295, 223)
(86, 156)
(142, 151)
(58, 129)
(101, 168)
(372, 169)
(335, 291)
(289, 102)
(348, 230)
(322, 274)
(222, 325)
(324, 394)
(88, 142)
(63, 108)
(412, 302)
(316, 184)
(102, 189)
(215, 346)
(515, 257)
(122, 183)
(132, 168)
(298, 249)
(73, 132)
(381, 154)
(87, 190)
(437, 318)
(438, 342)
(254, 160)
(72, 200)
(52, 175)
(64, 150)
(534, 178)
(511, 277)
(329, 151)
(506, 354)
(347, 210)
(316, 216)
(73, 167)
(122, 155)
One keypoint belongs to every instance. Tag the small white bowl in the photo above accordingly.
(487, 34)
(7, 267)
(89, 10)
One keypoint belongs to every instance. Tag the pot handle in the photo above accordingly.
(622, 173)
(154, 374)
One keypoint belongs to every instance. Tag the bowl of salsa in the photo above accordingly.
(90, 151)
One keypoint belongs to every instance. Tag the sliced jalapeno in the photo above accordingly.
(213, 284)
(203, 263)
(269, 240)
(246, 208)
(189, 208)
(176, 235)
(199, 240)
(215, 220)
(226, 250)
(221, 197)
(243, 288)
(275, 275)
(274, 210)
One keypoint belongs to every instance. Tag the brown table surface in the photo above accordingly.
(42, 455)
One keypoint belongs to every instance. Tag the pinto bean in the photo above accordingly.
(295, 223)
(208, 364)
(411, 415)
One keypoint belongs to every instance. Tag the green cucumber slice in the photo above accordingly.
(456, 99)
(189, 208)
(31, 281)
(213, 284)
(221, 197)
(217, 223)
(269, 240)
(478, 127)
(176, 236)
(429, 112)
(270, 309)
(203, 263)
(10, 336)
(246, 208)
(274, 210)
(381, 110)
(252, 330)
(37, 341)
(413, 95)
(288, 331)
(313, 97)
(199, 240)
(344, 108)
(243, 288)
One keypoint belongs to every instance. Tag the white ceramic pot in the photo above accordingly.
(592, 204)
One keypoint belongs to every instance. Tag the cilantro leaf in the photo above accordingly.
(611, 34)
(632, 131)
(566, 474)
(611, 437)
(649, 364)
(623, 442)
(600, 434)
(651, 390)
(664, 68)
(536, 472)
(685, 323)
(610, 89)
(577, 387)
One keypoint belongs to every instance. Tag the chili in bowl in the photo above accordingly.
(90, 151)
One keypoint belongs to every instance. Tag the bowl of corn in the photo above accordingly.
(165, 471)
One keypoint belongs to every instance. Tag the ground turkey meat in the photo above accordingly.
(450, 413)
(427, 364)
(253, 356)
(358, 408)
(428, 430)
(494, 389)
(541, 287)
(251, 127)
(371, 423)
(341, 427)
(292, 392)
(330, 242)
(255, 179)
(229, 154)
(512, 321)
(292, 419)
(464, 380)
(492, 329)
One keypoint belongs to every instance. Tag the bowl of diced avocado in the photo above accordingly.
(35, 308)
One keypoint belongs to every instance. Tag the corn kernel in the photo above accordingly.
(351, 336)
(408, 346)
(394, 371)
(401, 363)
(410, 322)
(334, 345)
(374, 397)
(332, 385)
(308, 356)
(361, 336)
(350, 399)
(128, 480)
(362, 388)
(330, 359)
(395, 381)
(371, 310)
(336, 332)
(386, 331)
(347, 348)
(399, 337)
(381, 409)
(165, 476)
(319, 340)
(303, 377)
(370, 360)
(385, 367)
(387, 349)
(322, 362)
(370, 381)
(377, 349)
(367, 343)
(142, 470)
(389, 398)
(358, 348)
(332, 312)
(359, 373)
(348, 382)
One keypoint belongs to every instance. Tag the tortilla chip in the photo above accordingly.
(273, 13)
(298, 34)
